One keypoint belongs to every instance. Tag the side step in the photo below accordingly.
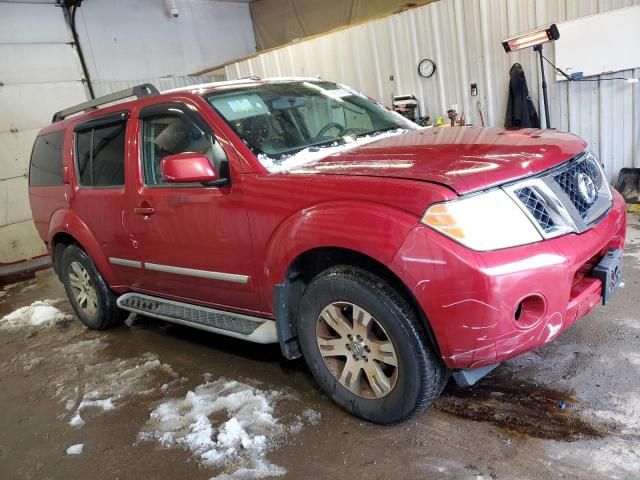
(253, 329)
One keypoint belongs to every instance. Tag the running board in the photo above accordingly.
(252, 329)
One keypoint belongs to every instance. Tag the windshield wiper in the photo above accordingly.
(375, 133)
(333, 142)
(311, 146)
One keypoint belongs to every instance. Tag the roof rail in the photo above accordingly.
(143, 90)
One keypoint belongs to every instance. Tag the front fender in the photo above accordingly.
(66, 221)
(369, 228)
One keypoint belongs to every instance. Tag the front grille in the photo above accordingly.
(570, 198)
(536, 207)
(568, 181)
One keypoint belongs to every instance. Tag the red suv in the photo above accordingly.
(301, 212)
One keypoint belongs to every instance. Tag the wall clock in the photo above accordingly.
(426, 68)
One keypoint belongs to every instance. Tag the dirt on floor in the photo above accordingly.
(158, 401)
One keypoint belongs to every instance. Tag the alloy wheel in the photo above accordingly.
(357, 350)
(83, 289)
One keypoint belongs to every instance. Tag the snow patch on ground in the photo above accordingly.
(75, 449)
(39, 313)
(115, 382)
(227, 424)
(83, 348)
(100, 387)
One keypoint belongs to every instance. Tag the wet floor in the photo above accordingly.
(523, 410)
(568, 410)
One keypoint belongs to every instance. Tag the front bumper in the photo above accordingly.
(471, 299)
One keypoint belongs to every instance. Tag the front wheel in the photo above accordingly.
(363, 344)
(89, 295)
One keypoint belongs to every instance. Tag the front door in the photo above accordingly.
(194, 239)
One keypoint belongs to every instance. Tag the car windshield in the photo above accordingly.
(284, 119)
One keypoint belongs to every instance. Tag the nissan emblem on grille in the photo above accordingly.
(587, 188)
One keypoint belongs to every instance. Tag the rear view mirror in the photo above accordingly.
(190, 167)
(285, 103)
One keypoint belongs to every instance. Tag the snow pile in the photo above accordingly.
(313, 154)
(75, 449)
(110, 384)
(39, 313)
(246, 431)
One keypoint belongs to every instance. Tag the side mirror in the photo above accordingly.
(190, 167)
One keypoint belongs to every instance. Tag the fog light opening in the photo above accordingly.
(519, 311)
(530, 310)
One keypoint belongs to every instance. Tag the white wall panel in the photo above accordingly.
(15, 195)
(128, 40)
(30, 105)
(15, 150)
(19, 241)
(463, 37)
(39, 74)
(32, 23)
(47, 62)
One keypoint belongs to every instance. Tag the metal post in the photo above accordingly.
(538, 48)
(69, 8)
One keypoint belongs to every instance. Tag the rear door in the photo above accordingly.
(194, 239)
(99, 198)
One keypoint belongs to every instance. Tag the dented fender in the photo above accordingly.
(371, 229)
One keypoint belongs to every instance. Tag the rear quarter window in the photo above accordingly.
(46, 160)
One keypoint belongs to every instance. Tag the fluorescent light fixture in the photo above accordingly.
(531, 39)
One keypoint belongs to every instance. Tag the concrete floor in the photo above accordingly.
(510, 426)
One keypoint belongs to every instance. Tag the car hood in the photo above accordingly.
(465, 159)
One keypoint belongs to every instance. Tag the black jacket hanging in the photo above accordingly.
(521, 112)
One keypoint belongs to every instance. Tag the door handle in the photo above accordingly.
(144, 210)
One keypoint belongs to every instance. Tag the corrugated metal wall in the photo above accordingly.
(463, 38)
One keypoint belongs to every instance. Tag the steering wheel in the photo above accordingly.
(329, 126)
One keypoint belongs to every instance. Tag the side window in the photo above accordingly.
(46, 160)
(169, 134)
(100, 156)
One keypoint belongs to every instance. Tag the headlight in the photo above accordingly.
(487, 221)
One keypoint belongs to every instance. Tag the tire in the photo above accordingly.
(80, 276)
(384, 393)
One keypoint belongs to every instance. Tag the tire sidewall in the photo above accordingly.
(402, 400)
(75, 254)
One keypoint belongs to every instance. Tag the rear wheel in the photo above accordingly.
(364, 346)
(89, 295)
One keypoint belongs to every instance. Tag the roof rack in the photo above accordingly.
(139, 91)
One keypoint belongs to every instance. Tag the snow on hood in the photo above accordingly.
(313, 154)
